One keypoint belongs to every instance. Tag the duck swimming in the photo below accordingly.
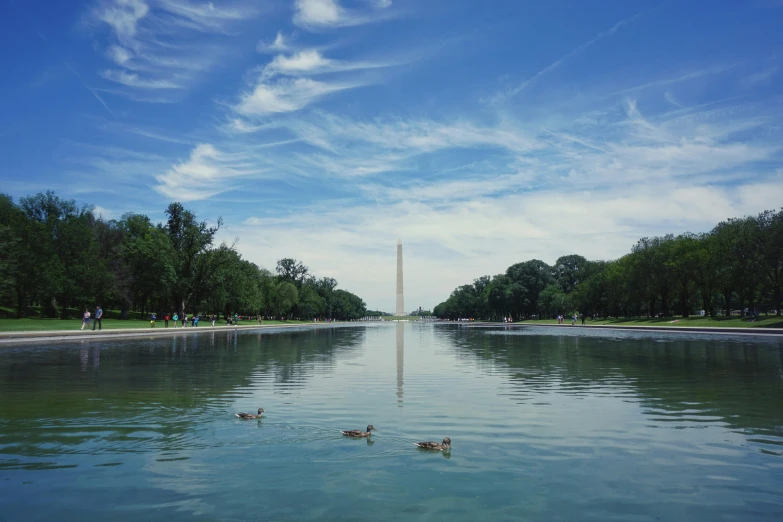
(359, 433)
(248, 416)
(443, 446)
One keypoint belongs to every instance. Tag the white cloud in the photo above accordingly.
(163, 44)
(122, 16)
(207, 172)
(303, 62)
(131, 79)
(312, 62)
(318, 12)
(329, 13)
(280, 43)
(448, 243)
(286, 95)
(100, 212)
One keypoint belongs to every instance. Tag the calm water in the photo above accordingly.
(546, 424)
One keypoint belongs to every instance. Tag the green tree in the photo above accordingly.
(569, 271)
(190, 240)
(286, 296)
(528, 280)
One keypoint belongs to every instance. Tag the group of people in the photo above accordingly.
(574, 319)
(97, 320)
(193, 318)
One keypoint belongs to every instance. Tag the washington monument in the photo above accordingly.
(400, 298)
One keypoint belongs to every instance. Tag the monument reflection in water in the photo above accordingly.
(400, 360)
(546, 424)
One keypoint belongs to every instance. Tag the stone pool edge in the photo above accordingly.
(726, 330)
(79, 335)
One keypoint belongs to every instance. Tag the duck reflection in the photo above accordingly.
(400, 360)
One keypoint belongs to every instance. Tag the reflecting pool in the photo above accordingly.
(546, 424)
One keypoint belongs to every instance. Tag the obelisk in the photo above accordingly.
(400, 311)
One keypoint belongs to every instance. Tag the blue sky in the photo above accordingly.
(480, 133)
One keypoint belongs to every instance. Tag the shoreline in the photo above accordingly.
(763, 331)
(128, 333)
(17, 337)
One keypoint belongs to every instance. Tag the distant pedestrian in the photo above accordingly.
(98, 318)
(86, 319)
(195, 320)
(583, 319)
(184, 320)
(166, 319)
(176, 319)
(236, 319)
(152, 319)
(212, 319)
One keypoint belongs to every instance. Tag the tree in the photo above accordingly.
(286, 296)
(769, 244)
(190, 239)
(569, 271)
(682, 260)
(291, 270)
(148, 256)
(528, 279)
(553, 301)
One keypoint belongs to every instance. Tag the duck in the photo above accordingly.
(443, 446)
(359, 433)
(248, 416)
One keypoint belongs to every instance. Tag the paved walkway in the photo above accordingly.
(118, 333)
(725, 330)
(115, 333)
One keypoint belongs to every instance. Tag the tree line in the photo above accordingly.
(737, 266)
(57, 256)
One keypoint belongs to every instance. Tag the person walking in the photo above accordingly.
(195, 320)
(212, 319)
(153, 316)
(98, 318)
(86, 319)
(184, 320)
(166, 320)
(176, 319)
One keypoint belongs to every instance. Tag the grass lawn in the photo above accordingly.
(763, 321)
(34, 325)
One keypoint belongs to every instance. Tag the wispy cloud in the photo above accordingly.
(130, 79)
(314, 14)
(286, 95)
(285, 84)
(279, 44)
(163, 44)
(311, 62)
(206, 172)
(760, 77)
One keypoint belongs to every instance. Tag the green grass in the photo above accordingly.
(722, 322)
(35, 325)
